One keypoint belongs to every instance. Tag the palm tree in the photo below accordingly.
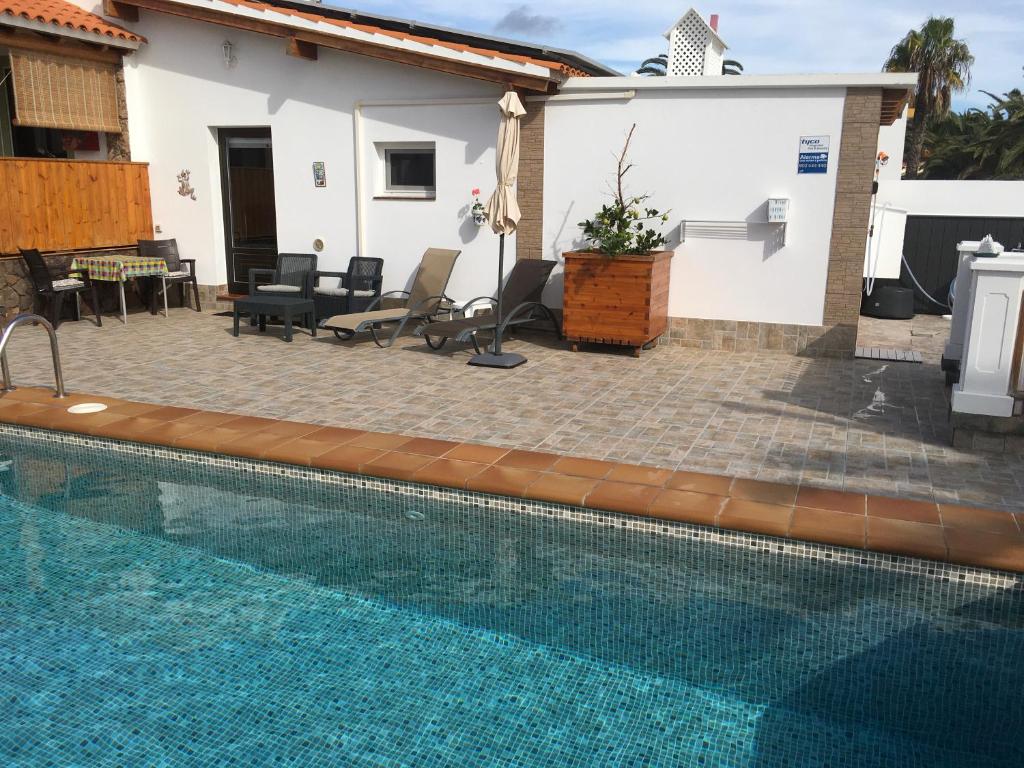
(655, 66)
(943, 66)
(978, 144)
(732, 67)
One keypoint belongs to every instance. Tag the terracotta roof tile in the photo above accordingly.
(555, 66)
(63, 14)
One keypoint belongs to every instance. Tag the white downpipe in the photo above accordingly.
(357, 140)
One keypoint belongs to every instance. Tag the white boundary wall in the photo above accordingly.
(706, 152)
(898, 199)
(179, 91)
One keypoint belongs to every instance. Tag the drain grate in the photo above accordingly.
(894, 355)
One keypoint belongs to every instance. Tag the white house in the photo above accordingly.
(301, 124)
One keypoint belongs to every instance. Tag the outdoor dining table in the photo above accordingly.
(119, 269)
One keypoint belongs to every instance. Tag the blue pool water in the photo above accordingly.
(157, 612)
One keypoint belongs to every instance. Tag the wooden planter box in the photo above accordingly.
(616, 300)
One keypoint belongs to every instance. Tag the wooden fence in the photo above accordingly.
(61, 205)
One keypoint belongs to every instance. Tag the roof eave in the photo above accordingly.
(48, 28)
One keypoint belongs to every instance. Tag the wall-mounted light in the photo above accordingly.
(228, 48)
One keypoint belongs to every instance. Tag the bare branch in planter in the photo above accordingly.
(622, 159)
(624, 226)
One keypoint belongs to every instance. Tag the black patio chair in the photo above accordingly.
(53, 290)
(356, 289)
(521, 305)
(168, 251)
(293, 276)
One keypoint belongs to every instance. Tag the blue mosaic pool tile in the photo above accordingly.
(160, 609)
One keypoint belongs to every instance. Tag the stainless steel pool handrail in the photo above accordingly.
(21, 319)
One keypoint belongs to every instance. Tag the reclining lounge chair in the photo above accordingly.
(520, 299)
(424, 301)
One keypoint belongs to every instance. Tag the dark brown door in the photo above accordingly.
(250, 220)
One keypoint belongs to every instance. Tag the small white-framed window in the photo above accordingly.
(408, 170)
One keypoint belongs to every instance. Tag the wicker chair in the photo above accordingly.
(293, 276)
(168, 251)
(356, 289)
(52, 291)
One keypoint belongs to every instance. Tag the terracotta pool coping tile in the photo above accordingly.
(165, 432)
(909, 510)
(428, 446)
(972, 536)
(843, 529)
(503, 481)
(990, 550)
(686, 506)
(296, 450)
(449, 473)
(172, 413)
(381, 441)
(756, 517)
(334, 435)
(346, 458)
(252, 445)
(30, 394)
(561, 489)
(972, 518)
(781, 494)
(906, 537)
(628, 498)
(208, 419)
(30, 414)
(592, 468)
(631, 473)
(207, 440)
(132, 428)
(700, 482)
(517, 459)
(836, 501)
(396, 465)
(482, 454)
(127, 408)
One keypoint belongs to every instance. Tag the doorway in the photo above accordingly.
(247, 189)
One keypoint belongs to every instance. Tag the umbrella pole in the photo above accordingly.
(496, 358)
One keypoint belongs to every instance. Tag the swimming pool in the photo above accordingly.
(164, 608)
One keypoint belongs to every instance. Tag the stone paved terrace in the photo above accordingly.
(847, 424)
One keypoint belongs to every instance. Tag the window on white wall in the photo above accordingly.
(408, 169)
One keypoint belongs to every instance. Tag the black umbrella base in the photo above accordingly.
(491, 360)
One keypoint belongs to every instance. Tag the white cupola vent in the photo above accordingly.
(694, 47)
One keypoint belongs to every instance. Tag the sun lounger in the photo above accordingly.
(521, 304)
(424, 301)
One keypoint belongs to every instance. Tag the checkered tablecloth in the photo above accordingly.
(118, 268)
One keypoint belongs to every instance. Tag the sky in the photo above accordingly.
(766, 36)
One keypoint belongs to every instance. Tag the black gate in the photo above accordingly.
(930, 247)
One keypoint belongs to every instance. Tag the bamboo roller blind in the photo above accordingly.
(57, 92)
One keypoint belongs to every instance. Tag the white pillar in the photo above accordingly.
(994, 312)
(967, 253)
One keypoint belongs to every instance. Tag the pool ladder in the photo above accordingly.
(22, 319)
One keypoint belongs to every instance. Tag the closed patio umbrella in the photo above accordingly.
(502, 212)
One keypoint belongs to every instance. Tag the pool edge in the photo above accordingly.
(930, 531)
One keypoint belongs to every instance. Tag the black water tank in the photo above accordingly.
(889, 302)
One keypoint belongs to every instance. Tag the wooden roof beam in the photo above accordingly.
(300, 49)
(118, 10)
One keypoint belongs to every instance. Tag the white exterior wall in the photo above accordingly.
(707, 154)
(898, 199)
(179, 91)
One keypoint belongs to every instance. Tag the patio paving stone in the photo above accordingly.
(865, 426)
